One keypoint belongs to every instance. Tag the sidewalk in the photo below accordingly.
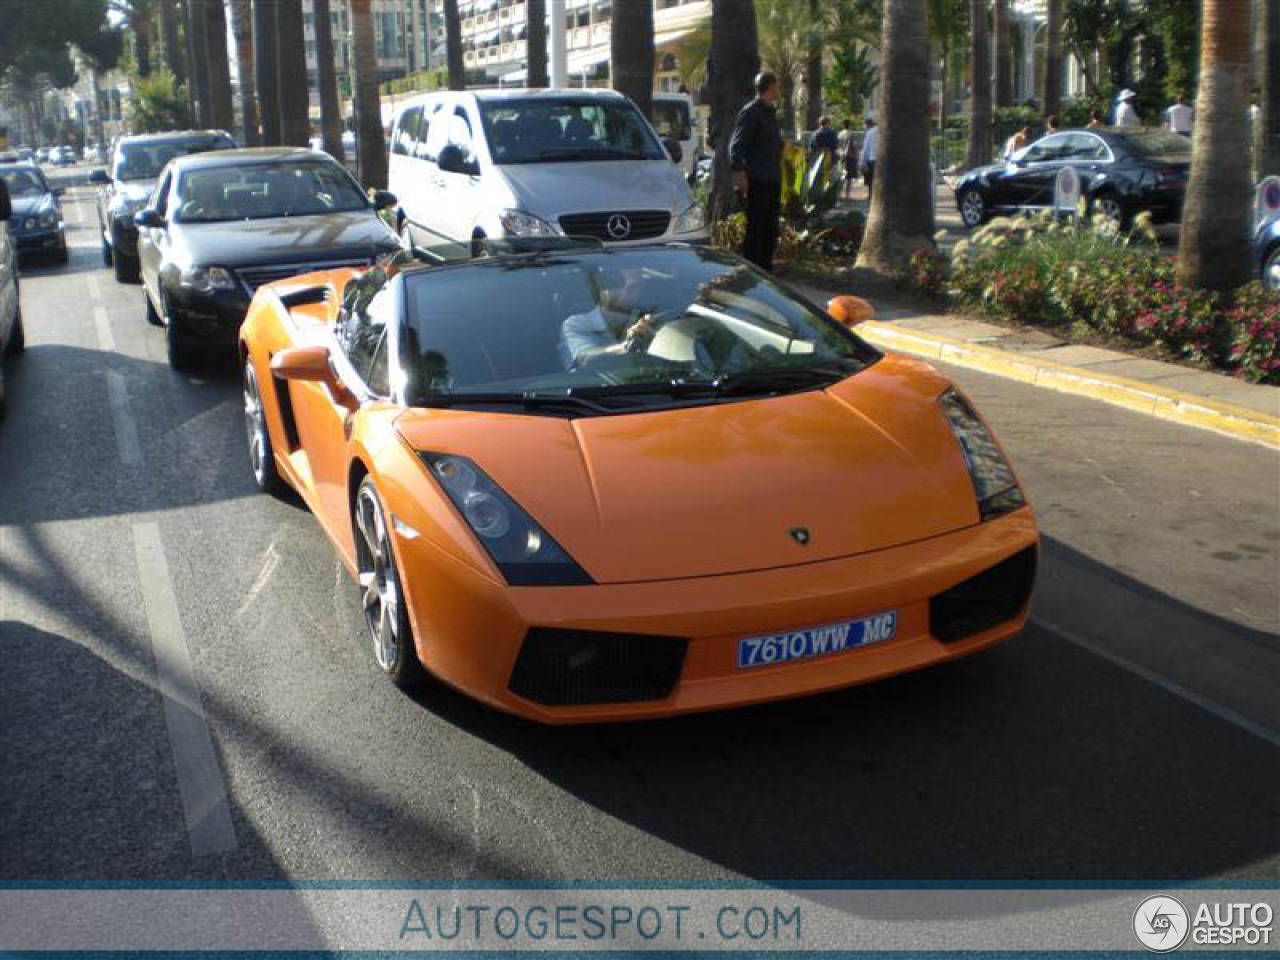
(1197, 398)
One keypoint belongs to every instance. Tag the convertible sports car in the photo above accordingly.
(583, 484)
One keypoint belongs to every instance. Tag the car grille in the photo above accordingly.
(254, 277)
(564, 667)
(641, 224)
(979, 603)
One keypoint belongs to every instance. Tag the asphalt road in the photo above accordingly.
(186, 693)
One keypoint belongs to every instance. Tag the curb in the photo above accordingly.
(1188, 409)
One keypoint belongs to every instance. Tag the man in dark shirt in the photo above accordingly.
(825, 140)
(755, 156)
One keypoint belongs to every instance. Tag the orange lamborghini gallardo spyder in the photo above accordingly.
(586, 484)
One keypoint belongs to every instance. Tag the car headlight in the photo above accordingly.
(517, 223)
(48, 218)
(206, 279)
(29, 223)
(994, 484)
(692, 220)
(524, 552)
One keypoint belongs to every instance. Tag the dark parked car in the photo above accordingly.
(1121, 174)
(1266, 252)
(136, 162)
(11, 335)
(36, 222)
(220, 225)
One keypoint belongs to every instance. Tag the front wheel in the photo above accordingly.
(1109, 207)
(18, 338)
(386, 615)
(261, 456)
(973, 208)
(1271, 269)
(181, 351)
(106, 253)
(153, 317)
(126, 268)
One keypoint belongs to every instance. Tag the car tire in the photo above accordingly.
(18, 338)
(182, 352)
(106, 254)
(63, 255)
(382, 599)
(126, 269)
(973, 208)
(1109, 206)
(261, 455)
(1271, 269)
(153, 317)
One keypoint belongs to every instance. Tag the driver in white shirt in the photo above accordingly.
(614, 326)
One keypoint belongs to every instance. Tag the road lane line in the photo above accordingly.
(94, 290)
(106, 339)
(200, 781)
(1178, 690)
(126, 429)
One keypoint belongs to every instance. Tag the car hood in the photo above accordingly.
(26, 206)
(867, 464)
(135, 191)
(356, 235)
(979, 173)
(550, 190)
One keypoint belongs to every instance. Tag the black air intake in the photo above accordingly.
(982, 601)
(565, 667)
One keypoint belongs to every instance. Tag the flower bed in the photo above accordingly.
(1037, 271)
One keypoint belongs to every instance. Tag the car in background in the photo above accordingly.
(1266, 253)
(12, 337)
(36, 221)
(675, 118)
(126, 185)
(499, 164)
(62, 156)
(221, 224)
(1122, 173)
(42, 155)
(591, 483)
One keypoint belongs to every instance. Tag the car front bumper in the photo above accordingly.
(471, 630)
(43, 240)
(212, 317)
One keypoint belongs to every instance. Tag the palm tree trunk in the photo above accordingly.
(174, 57)
(787, 102)
(99, 135)
(813, 70)
(1002, 28)
(453, 45)
(221, 112)
(189, 52)
(327, 82)
(266, 70)
(242, 32)
(536, 42)
(142, 26)
(1213, 250)
(291, 62)
(1051, 85)
(200, 63)
(372, 149)
(900, 221)
(631, 62)
(1268, 126)
(978, 151)
(731, 67)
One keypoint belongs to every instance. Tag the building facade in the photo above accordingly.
(403, 32)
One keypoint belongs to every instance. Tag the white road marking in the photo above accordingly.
(94, 290)
(126, 429)
(1164, 683)
(200, 781)
(106, 339)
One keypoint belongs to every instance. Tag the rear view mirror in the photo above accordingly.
(452, 159)
(148, 219)
(312, 365)
(850, 311)
(383, 199)
(99, 177)
(6, 207)
(674, 150)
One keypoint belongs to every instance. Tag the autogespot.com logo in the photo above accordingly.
(1161, 923)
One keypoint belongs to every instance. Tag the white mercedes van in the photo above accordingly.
(496, 164)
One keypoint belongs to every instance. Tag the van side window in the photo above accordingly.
(407, 132)
(161, 196)
(460, 130)
(437, 137)
(419, 149)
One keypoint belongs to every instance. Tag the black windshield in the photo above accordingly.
(258, 191)
(144, 159)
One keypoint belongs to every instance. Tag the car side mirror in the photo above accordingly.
(148, 219)
(452, 159)
(850, 311)
(6, 206)
(674, 150)
(312, 365)
(99, 177)
(383, 199)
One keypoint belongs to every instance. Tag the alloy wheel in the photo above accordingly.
(972, 208)
(255, 425)
(1111, 210)
(378, 582)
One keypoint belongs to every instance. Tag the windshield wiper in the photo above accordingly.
(772, 380)
(602, 153)
(529, 400)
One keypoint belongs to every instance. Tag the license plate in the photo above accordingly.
(816, 641)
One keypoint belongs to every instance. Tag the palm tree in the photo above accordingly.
(199, 62)
(174, 56)
(1268, 126)
(291, 67)
(371, 148)
(535, 13)
(189, 54)
(453, 45)
(221, 112)
(783, 27)
(731, 67)
(1213, 250)
(266, 70)
(901, 218)
(947, 25)
(327, 81)
(1002, 28)
(692, 51)
(631, 62)
(978, 151)
(813, 69)
(242, 33)
(1051, 85)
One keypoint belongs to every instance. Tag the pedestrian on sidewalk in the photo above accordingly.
(1126, 115)
(1016, 142)
(825, 140)
(755, 156)
(867, 159)
(1180, 116)
(849, 154)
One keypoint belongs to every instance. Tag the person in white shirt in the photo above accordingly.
(1126, 115)
(614, 326)
(1015, 143)
(1180, 117)
(867, 160)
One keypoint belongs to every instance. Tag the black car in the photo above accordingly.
(36, 222)
(136, 162)
(1122, 172)
(12, 339)
(219, 225)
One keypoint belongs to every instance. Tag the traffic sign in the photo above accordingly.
(1266, 206)
(1066, 190)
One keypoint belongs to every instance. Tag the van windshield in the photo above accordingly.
(541, 130)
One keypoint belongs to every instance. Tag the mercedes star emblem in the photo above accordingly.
(618, 226)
